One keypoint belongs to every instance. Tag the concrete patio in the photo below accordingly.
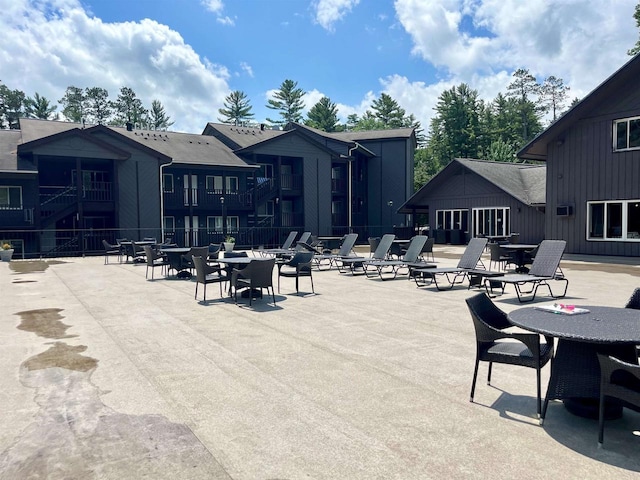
(106, 375)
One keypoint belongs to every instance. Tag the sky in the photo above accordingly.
(190, 54)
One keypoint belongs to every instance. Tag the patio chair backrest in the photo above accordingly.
(289, 241)
(472, 253)
(548, 258)
(199, 264)
(347, 244)
(415, 249)
(305, 237)
(384, 246)
(260, 272)
(301, 260)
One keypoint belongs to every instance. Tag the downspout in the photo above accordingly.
(162, 165)
(350, 161)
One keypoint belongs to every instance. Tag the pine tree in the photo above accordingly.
(39, 107)
(288, 102)
(323, 116)
(73, 104)
(237, 109)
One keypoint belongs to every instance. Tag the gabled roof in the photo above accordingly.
(524, 182)
(182, 148)
(239, 137)
(536, 149)
(9, 161)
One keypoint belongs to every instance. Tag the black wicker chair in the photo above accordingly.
(298, 266)
(258, 274)
(154, 259)
(111, 250)
(490, 322)
(206, 274)
(618, 380)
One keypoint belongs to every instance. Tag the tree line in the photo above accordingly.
(90, 105)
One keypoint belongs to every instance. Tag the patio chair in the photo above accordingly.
(298, 266)
(524, 349)
(498, 256)
(187, 258)
(407, 261)
(214, 252)
(206, 274)
(427, 250)
(356, 263)
(620, 381)
(258, 274)
(545, 267)
(469, 264)
(154, 259)
(111, 250)
(286, 246)
(334, 259)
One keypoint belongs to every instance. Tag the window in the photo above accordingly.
(10, 198)
(169, 224)
(214, 224)
(167, 182)
(265, 170)
(214, 183)
(626, 134)
(617, 220)
(452, 220)
(494, 221)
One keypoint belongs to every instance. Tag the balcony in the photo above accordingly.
(12, 217)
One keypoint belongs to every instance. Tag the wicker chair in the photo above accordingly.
(498, 256)
(206, 274)
(111, 250)
(258, 274)
(618, 380)
(154, 259)
(298, 266)
(490, 323)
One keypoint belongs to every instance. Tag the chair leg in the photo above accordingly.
(196, 294)
(204, 292)
(539, 400)
(473, 383)
(489, 373)
(312, 289)
(601, 421)
(273, 295)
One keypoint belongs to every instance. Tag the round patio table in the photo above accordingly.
(174, 255)
(518, 250)
(575, 371)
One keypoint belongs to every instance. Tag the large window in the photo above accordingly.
(169, 224)
(617, 220)
(452, 220)
(626, 134)
(10, 198)
(214, 184)
(491, 221)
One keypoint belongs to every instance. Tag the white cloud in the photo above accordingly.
(482, 42)
(61, 46)
(215, 6)
(246, 68)
(230, 22)
(328, 12)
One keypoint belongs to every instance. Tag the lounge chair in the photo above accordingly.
(382, 253)
(468, 265)
(334, 259)
(407, 261)
(545, 267)
(286, 246)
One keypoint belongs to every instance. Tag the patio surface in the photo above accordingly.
(105, 375)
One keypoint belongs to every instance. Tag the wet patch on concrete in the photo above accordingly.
(75, 435)
(63, 356)
(45, 323)
(33, 266)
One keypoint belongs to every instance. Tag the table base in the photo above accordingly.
(589, 408)
(184, 274)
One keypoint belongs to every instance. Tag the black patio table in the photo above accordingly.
(518, 250)
(233, 262)
(174, 255)
(575, 371)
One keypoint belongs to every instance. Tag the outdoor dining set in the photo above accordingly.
(593, 350)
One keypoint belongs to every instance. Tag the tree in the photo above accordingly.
(636, 48)
(157, 118)
(553, 95)
(388, 112)
(323, 116)
(352, 121)
(522, 88)
(426, 166)
(11, 106)
(73, 104)
(39, 107)
(288, 101)
(128, 108)
(237, 109)
(96, 105)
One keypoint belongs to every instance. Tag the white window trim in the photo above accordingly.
(625, 226)
(9, 207)
(164, 183)
(453, 211)
(615, 134)
(506, 214)
(217, 219)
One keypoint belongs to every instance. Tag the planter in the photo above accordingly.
(5, 255)
(228, 246)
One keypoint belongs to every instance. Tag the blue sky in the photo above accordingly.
(190, 54)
